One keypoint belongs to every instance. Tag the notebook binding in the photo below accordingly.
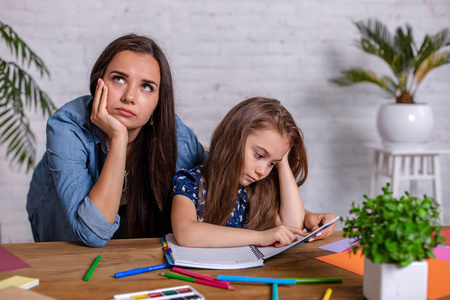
(256, 251)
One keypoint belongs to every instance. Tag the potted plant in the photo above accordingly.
(396, 236)
(409, 64)
(19, 91)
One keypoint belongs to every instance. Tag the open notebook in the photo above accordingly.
(228, 258)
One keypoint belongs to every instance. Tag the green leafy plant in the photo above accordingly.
(408, 62)
(391, 230)
(19, 91)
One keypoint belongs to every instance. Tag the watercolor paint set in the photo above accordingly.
(184, 292)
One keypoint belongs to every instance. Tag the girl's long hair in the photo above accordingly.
(154, 151)
(225, 163)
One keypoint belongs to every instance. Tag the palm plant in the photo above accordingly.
(409, 63)
(19, 91)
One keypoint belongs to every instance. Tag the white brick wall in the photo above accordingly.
(222, 52)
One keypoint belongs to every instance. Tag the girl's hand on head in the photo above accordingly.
(100, 115)
(284, 161)
(279, 236)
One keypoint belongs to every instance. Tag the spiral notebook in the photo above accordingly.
(227, 258)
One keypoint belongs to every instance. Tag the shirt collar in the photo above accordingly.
(242, 193)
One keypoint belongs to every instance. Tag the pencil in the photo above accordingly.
(140, 270)
(92, 268)
(255, 279)
(196, 275)
(201, 281)
(317, 280)
(275, 291)
(327, 294)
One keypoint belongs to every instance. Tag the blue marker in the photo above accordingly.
(256, 279)
(141, 270)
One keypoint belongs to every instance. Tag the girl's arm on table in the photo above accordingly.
(191, 233)
(292, 212)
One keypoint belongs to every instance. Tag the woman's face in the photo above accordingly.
(133, 81)
(263, 149)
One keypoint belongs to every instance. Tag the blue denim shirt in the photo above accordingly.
(58, 205)
(186, 183)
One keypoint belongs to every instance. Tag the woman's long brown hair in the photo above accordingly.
(224, 165)
(154, 151)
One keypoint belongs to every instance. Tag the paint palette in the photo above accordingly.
(184, 292)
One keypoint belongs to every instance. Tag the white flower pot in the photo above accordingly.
(390, 282)
(405, 123)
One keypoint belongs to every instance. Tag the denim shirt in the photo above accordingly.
(58, 205)
(187, 182)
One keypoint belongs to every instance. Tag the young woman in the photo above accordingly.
(111, 156)
(247, 190)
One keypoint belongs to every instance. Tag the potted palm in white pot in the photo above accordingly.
(396, 236)
(404, 120)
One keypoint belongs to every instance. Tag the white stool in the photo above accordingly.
(412, 163)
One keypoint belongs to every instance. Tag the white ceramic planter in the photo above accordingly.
(405, 123)
(390, 282)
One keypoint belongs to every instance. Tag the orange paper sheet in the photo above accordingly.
(438, 271)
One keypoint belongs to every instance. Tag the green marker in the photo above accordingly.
(92, 268)
(317, 280)
(176, 276)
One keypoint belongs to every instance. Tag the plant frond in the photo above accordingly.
(431, 44)
(17, 46)
(17, 84)
(404, 45)
(433, 61)
(377, 40)
(18, 136)
(354, 76)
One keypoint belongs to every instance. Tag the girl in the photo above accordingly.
(111, 156)
(246, 192)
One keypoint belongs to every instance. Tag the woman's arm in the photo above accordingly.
(191, 233)
(292, 212)
(107, 191)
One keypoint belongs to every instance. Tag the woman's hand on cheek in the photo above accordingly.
(100, 115)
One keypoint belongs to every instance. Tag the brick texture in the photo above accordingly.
(222, 52)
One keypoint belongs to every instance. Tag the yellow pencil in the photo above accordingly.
(327, 294)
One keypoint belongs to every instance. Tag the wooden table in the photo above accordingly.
(61, 266)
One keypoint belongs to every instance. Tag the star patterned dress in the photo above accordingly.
(186, 183)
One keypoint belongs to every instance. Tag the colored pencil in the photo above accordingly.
(274, 291)
(317, 280)
(327, 294)
(201, 281)
(196, 275)
(141, 270)
(255, 279)
(92, 268)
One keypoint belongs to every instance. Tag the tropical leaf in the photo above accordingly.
(18, 91)
(430, 45)
(21, 50)
(353, 76)
(377, 40)
(431, 62)
(15, 130)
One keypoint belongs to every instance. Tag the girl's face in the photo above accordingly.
(133, 81)
(263, 149)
